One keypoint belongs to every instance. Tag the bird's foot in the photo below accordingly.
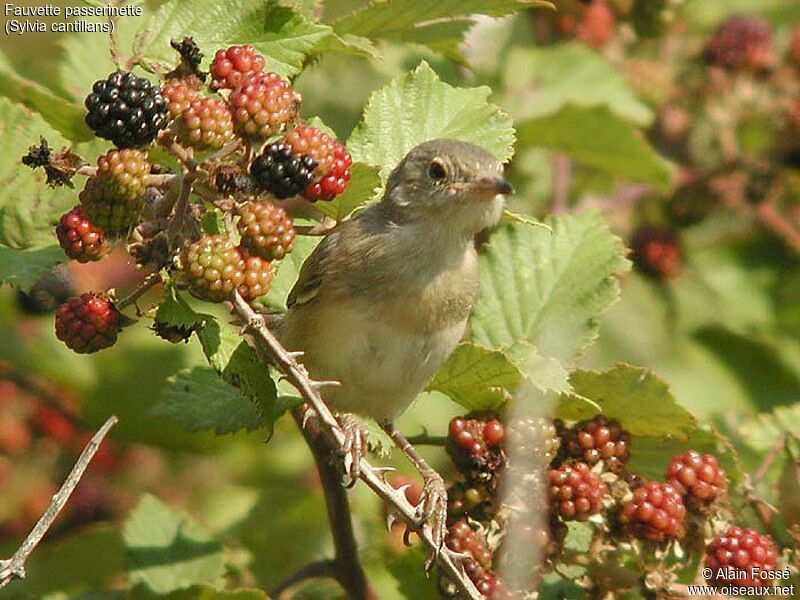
(432, 510)
(354, 447)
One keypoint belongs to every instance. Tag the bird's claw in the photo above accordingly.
(354, 448)
(432, 511)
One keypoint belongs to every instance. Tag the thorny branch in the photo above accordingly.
(272, 351)
(14, 568)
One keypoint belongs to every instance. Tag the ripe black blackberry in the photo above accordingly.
(698, 477)
(80, 238)
(266, 229)
(740, 557)
(214, 267)
(597, 439)
(87, 323)
(576, 493)
(126, 109)
(280, 172)
(655, 513)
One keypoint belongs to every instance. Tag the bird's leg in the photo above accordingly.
(354, 447)
(433, 503)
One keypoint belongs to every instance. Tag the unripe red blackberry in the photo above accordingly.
(126, 109)
(256, 278)
(480, 459)
(80, 239)
(596, 439)
(263, 105)
(179, 95)
(53, 424)
(462, 538)
(232, 64)
(206, 124)
(656, 251)
(87, 323)
(335, 181)
(656, 513)
(698, 477)
(266, 229)
(742, 42)
(214, 267)
(280, 172)
(576, 493)
(740, 557)
(112, 198)
(596, 25)
(310, 141)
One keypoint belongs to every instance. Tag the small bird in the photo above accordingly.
(383, 300)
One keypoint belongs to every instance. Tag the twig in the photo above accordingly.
(320, 568)
(226, 150)
(562, 176)
(424, 439)
(769, 460)
(113, 41)
(152, 180)
(182, 204)
(14, 568)
(774, 220)
(152, 280)
(277, 355)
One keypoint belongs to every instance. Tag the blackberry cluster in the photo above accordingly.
(282, 173)
(335, 181)
(206, 124)
(576, 493)
(597, 439)
(462, 538)
(214, 267)
(263, 104)
(656, 251)
(112, 198)
(179, 94)
(332, 161)
(256, 277)
(231, 65)
(126, 109)
(475, 445)
(742, 42)
(87, 323)
(740, 551)
(655, 513)
(472, 499)
(698, 477)
(80, 239)
(265, 229)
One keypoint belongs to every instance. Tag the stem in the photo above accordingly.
(320, 568)
(181, 206)
(14, 568)
(424, 439)
(152, 280)
(774, 220)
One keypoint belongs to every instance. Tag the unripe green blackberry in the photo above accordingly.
(280, 172)
(87, 323)
(214, 267)
(80, 238)
(263, 104)
(126, 109)
(179, 95)
(266, 229)
(256, 278)
(206, 124)
(112, 198)
(231, 65)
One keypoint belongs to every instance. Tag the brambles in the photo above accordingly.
(282, 173)
(739, 557)
(266, 229)
(206, 124)
(126, 109)
(214, 267)
(575, 491)
(462, 538)
(80, 239)
(263, 105)
(232, 64)
(87, 323)
(655, 513)
(698, 477)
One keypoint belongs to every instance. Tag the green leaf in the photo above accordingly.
(167, 550)
(601, 139)
(199, 400)
(283, 35)
(363, 184)
(175, 311)
(409, 572)
(417, 107)
(542, 80)
(199, 592)
(547, 289)
(476, 377)
(23, 268)
(289, 268)
(634, 396)
(29, 209)
(61, 114)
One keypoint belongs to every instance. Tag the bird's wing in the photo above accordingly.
(310, 280)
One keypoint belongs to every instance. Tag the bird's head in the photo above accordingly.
(449, 183)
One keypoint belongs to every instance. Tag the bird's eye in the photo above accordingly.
(437, 171)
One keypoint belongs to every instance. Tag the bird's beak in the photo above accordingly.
(497, 185)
